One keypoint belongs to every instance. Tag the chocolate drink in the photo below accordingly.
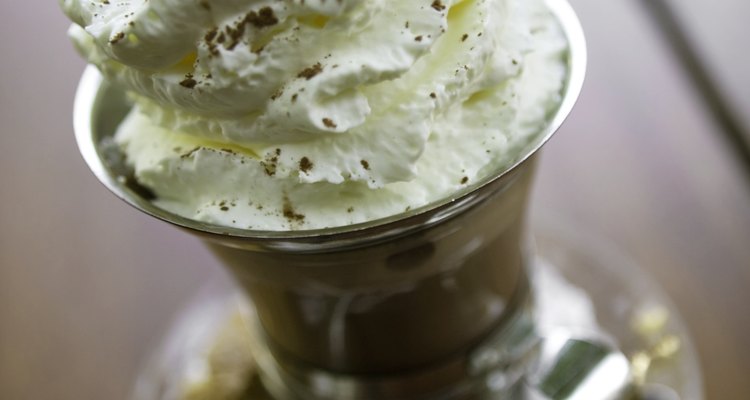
(403, 302)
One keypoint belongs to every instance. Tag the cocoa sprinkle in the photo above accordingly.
(310, 72)
(438, 5)
(329, 123)
(305, 164)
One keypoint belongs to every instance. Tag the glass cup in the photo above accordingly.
(432, 303)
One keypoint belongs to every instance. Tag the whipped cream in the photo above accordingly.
(303, 114)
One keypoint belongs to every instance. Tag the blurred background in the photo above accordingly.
(654, 158)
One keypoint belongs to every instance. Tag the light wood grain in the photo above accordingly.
(641, 162)
(720, 35)
(87, 284)
(85, 281)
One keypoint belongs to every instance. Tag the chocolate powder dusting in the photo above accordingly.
(263, 18)
(305, 165)
(119, 36)
(277, 94)
(210, 35)
(270, 163)
(188, 82)
(310, 72)
(270, 169)
(190, 153)
(290, 213)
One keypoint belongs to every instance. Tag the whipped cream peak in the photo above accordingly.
(366, 100)
(280, 72)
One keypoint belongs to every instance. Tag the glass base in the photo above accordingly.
(581, 286)
(628, 306)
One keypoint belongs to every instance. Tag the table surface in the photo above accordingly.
(647, 160)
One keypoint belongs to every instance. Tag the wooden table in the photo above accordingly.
(86, 283)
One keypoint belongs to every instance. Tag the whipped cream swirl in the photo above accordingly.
(299, 114)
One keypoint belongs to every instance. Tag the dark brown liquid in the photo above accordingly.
(401, 304)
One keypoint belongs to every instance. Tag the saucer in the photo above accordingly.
(580, 285)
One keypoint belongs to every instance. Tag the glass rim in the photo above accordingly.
(88, 139)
